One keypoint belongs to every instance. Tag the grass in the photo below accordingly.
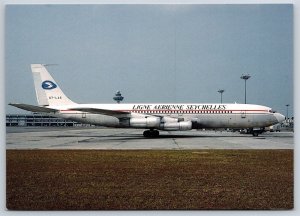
(128, 180)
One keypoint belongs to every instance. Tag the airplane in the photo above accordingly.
(152, 117)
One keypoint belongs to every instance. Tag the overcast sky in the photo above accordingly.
(153, 53)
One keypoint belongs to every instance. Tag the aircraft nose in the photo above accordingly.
(279, 117)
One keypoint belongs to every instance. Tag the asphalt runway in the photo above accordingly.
(111, 138)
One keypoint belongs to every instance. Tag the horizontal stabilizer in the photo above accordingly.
(115, 113)
(33, 108)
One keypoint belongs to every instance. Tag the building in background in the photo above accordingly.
(39, 120)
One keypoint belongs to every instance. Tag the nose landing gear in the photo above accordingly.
(151, 133)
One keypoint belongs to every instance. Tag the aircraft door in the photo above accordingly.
(246, 119)
(243, 114)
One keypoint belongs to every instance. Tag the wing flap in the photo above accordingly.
(33, 108)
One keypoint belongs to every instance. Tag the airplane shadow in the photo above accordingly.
(115, 137)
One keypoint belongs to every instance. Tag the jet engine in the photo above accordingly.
(175, 126)
(149, 122)
(152, 122)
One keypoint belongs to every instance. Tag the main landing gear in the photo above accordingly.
(151, 133)
(255, 132)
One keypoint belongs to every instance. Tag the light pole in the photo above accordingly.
(221, 92)
(287, 111)
(245, 77)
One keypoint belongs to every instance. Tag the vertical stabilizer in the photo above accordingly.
(48, 93)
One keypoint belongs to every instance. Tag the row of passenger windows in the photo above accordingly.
(181, 111)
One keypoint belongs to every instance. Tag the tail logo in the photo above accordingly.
(48, 85)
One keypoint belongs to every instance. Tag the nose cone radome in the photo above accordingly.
(280, 118)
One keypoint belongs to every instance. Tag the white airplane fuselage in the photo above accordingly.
(201, 115)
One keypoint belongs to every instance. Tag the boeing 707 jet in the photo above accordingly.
(153, 117)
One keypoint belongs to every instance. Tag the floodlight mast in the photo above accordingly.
(287, 111)
(245, 77)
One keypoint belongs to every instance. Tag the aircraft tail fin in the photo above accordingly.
(48, 93)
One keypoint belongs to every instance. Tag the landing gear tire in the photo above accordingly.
(146, 133)
(255, 134)
(151, 133)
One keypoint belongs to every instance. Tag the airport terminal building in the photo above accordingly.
(39, 120)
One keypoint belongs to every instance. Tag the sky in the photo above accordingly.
(152, 53)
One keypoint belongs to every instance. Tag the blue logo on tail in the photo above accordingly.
(48, 85)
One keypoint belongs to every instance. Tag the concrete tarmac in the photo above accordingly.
(113, 138)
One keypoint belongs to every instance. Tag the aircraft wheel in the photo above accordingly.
(146, 133)
(151, 133)
(255, 134)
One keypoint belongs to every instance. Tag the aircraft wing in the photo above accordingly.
(115, 113)
(33, 108)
